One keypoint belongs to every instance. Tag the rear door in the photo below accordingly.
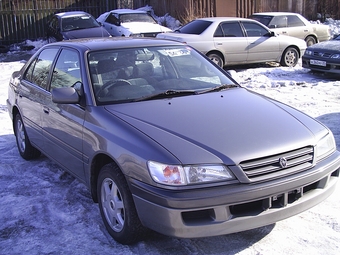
(296, 27)
(230, 39)
(33, 92)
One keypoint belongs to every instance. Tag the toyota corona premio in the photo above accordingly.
(166, 140)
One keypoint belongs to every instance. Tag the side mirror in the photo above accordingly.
(270, 34)
(65, 95)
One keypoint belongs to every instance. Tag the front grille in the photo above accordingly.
(322, 54)
(270, 167)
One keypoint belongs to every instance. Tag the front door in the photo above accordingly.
(63, 123)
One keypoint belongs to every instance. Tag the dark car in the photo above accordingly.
(323, 57)
(73, 25)
(164, 140)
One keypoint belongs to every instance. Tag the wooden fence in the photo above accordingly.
(22, 20)
(311, 9)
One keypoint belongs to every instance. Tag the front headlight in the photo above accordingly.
(325, 147)
(178, 175)
(309, 52)
(337, 56)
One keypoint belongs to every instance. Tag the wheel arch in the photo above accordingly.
(218, 53)
(295, 47)
(312, 35)
(98, 162)
(15, 111)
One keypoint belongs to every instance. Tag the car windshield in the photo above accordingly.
(151, 73)
(78, 22)
(265, 20)
(136, 17)
(195, 27)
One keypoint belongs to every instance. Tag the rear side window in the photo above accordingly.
(39, 69)
(195, 27)
(232, 29)
(294, 21)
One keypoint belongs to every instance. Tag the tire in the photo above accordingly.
(290, 57)
(310, 40)
(216, 58)
(117, 207)
(26, 150)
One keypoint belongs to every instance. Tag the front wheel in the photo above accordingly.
(117, 207)
(290, 57)
(26, 150)
(216, 58)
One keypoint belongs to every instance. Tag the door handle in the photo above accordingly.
(46, 110)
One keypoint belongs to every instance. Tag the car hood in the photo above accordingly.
(84, 33)
(220, 127)
(144, 27)
(333, 45)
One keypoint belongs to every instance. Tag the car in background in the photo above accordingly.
(233, 41)
(127, 22)
(323, 57)
(166, 140)
(73, 25)
(294, 24)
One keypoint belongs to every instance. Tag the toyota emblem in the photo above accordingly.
(283, 162)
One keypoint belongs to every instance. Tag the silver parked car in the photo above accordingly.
(235, 41)
(167, 141)
(294, 24)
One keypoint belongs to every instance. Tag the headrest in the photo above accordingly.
(105, 66)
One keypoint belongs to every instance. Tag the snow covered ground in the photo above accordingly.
(44, 210)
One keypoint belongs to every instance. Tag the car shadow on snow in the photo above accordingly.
(225, 244)
(332, 121)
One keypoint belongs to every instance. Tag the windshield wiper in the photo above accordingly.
(218, 88)
(167, 94)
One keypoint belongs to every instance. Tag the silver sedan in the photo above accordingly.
(235, 41)
(294, 24)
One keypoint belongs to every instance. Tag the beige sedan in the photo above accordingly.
(294, 24)
(234, 41)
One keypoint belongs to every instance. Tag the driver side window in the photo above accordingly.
(66, 71)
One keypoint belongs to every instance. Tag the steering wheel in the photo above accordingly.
(69, 27)
(115, 83)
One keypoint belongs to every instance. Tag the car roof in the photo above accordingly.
(71, 13)
(275, 13)
(94, 44)
(124, 11)
(219, 19)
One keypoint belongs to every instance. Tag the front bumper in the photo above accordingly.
(233, 208)
(331, 66)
